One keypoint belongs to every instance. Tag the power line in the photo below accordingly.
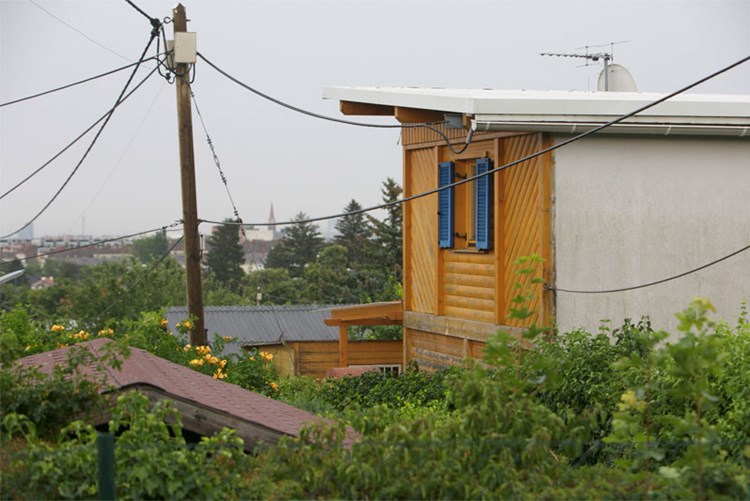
(74, 83)
(288, 106)
(657, 282)
(81, 135)
(84, 35)
(155, 23)
(216, 160)
(96, 137)
(99, 242)
(143, 277)
(515, 162)
(122, 157)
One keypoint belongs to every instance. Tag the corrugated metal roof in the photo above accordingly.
(263, 325)
(142, 368)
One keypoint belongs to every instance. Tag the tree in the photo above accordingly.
(388, 233)
(329, 280)
(297, 248)
(354, 235)
(276, 285)
(225, 256)
(147, 249)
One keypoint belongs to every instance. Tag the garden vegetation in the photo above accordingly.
(622, 413)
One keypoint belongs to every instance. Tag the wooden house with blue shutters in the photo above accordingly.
(619, 208)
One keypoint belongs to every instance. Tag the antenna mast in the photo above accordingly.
(604, 56)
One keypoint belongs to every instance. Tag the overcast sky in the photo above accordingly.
(291, 50)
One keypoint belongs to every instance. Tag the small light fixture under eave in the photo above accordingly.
(453, 121)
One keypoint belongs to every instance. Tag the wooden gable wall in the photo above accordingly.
(442, 286)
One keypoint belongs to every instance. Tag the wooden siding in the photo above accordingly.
(375, 353)
(315, 359)
(431, 351)
(420, 232)
(523, 225)
(468, 286)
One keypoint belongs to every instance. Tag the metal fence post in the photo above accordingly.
(105, 448)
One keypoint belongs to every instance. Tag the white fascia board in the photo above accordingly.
(569, 106)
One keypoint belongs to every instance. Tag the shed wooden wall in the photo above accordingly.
(315, 358)
(464, 284)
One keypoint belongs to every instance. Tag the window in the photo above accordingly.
(465, 211)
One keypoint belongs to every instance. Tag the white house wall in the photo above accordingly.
(632, 209)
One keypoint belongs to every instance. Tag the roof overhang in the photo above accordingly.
(385, 313)
(553, 111)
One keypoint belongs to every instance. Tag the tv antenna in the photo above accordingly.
(606, 57)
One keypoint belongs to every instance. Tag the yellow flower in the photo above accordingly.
(226, 338)
(61, 345)
(28, 347)
(57, 328)
(106, 332)
(223, 363)
(163, 323)
(274, 386)
(219, 375)
(266, 356)
(630, 401)
(252, 358)
(203, 350)
(196, 362)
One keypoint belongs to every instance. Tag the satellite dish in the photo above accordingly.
(615, 78)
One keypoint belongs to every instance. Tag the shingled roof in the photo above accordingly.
(263, 325)
(206, 404)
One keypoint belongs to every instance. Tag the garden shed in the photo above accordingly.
(654, 197)
(299, 337)
(206, 404)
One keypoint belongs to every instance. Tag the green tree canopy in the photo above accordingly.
(354, 235)
(148, 249)
(297, 248)
(329, 280)
(387, 233)
(225, 256)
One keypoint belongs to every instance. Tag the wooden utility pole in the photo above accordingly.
(189, 197)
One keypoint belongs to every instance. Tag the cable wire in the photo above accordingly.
(143, 277)
(155, 23)
(96, 137)
(99, 242)
(426, 125)
(74, 83)
(119, 161)
(515, 162)
(80, 136)
(84, 35)
(657, 282)
(216, 161)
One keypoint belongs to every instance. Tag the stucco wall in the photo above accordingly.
(631, 210)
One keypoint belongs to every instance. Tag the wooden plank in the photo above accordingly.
(548, 299)
(499, 227)
(487, 293)
(414, 115)
(470, 257)
(343, 346)
(352, 108)
(391, 310)
(486, 270)
(483, 281)
(470, 314)
(318, 346)
(453, 327)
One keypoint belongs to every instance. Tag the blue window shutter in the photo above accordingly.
(445, 206)
(484, 205)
